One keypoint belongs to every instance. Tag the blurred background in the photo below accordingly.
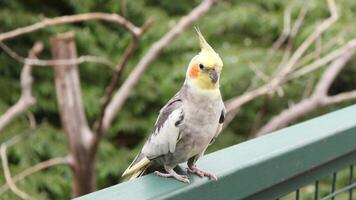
(243, 32)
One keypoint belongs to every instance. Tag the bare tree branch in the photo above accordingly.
(286, 28)
(98, 124)
(34, 169)
(72, 19)
(311, 56)
(26, 99)
(322, 61)
(149, 57)
(291, 37)
(300, 19)
(38, 62)
(31, 120)
(289, 33)
(320, 48)
(345, 96)
(5, 166)
(309, 86)
(259, 73)
(237, 102)
(281, 76)
(306, 44)
(318, 99)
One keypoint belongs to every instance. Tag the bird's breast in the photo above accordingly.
(200, 125)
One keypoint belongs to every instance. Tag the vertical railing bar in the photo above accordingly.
(333, 185)
(297, 194)
(316, 193)
(350, 180)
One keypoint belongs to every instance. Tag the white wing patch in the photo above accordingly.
(164, 140)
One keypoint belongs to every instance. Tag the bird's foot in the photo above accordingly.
(194, 170)
(173, 174)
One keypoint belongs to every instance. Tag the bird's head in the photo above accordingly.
(204, 69)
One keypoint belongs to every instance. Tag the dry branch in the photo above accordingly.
(31, 120)
(289, 33)
(300, 19)
(109, 90)
(38, 62)
(286, 29)
(6, 169)
(26, 99)
(72, 112)
(327, 46)
(318, 99)
(259, 73)
(34, 169)
(124, 91)
(72, 19)
(292, 34)
(345, 96)
(233, 105)
(306, 44)
(322, 61)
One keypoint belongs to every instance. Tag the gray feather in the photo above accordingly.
(173, 104)
(166, 130)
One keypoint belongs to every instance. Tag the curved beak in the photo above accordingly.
(214, 76)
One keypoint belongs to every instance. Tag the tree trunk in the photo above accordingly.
(72, 115)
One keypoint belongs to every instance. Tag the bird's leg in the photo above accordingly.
(194, 170)
(173, 174)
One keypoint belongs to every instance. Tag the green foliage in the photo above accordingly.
(242, 31)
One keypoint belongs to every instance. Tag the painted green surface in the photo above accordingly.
(310, 176)
(255, 165)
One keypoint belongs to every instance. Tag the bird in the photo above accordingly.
(189, 122)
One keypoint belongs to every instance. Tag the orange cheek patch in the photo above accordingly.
(194, 72)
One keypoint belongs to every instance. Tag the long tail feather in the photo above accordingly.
(138, 173)
(139, 165)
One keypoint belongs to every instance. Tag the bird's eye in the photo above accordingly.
(201, 66)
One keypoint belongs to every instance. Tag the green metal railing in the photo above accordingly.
(274, 166)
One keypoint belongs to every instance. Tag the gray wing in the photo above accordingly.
(166, 130)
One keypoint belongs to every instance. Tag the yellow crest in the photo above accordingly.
(208, 52)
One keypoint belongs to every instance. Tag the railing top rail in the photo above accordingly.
(252, 166)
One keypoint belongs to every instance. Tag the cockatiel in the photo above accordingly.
(188, 123)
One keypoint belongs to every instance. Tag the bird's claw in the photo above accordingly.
(194, 170)
(181, 178)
